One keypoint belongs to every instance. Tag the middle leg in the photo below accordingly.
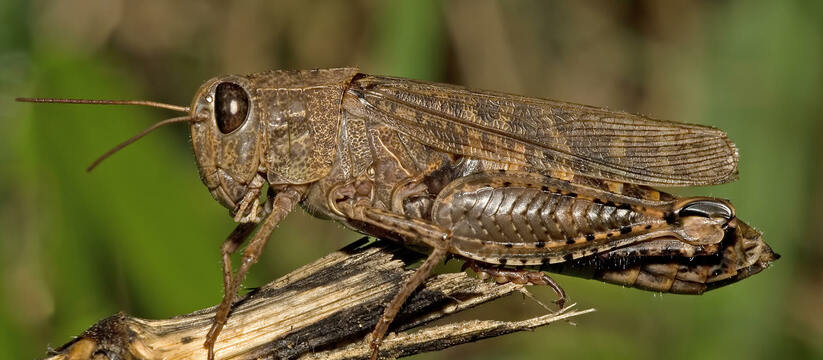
(433, 236)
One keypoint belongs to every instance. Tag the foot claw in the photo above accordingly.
(375, 348)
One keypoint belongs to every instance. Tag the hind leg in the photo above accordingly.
(517, 276)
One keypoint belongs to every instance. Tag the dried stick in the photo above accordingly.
(324, 310)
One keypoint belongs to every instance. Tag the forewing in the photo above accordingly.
(551, 135)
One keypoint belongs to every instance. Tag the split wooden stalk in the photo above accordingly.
(324, 310)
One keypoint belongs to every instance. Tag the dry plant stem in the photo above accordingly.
(324, 310)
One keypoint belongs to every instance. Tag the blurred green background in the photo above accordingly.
(141, 233)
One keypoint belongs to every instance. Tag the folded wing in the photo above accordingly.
(551, 135)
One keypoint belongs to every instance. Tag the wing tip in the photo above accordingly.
(725, 172)
(731, 158)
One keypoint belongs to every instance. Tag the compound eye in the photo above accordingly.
(231, 107)
(708, 209)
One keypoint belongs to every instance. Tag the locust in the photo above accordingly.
(515, 186)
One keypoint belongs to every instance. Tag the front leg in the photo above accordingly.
(247, 210)
(282, 204)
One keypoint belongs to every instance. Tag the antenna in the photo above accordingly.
(106, 102)
(118, 147)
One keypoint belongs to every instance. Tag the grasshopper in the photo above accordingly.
(513, 185)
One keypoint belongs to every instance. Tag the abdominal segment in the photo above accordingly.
(524, 220)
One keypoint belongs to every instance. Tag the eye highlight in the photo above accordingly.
(231, 107)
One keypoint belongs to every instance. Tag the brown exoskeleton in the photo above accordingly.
(513, 185)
